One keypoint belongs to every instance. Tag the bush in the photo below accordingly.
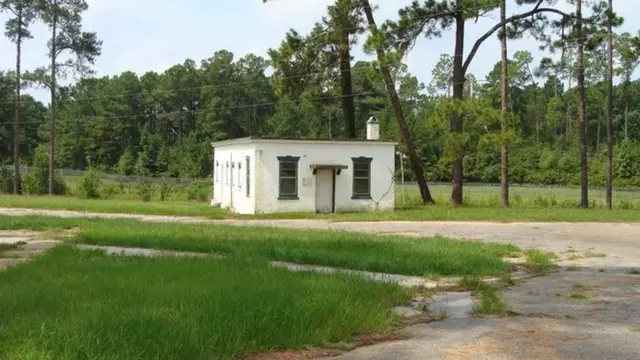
(108, 191)
(6, 181)
(37, 183)
(90, 184)
(165, 190)
(31, 185)
(144, 189)
(199, 190)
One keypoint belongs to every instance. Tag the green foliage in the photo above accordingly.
(89, 187)
(145, 190)
(540, 262)
(127, 163)
(389, 254)
(168, 130)
(37, 183)
(164, 191)
(6, 181)
(162, 308)
(490, 302)
(199, 190)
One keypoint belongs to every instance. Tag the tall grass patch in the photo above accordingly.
(390, 254)
(72, 304)
(180, 208)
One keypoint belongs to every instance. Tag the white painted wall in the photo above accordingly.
(229, 193)
(382, 170)
(229, 180)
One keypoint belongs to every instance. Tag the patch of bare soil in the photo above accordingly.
(296, 354)
(18, 234)
(358, 341)
(533, 340)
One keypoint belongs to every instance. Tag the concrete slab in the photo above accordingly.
(455, 305)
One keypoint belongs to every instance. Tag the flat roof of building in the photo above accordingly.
(248, 140)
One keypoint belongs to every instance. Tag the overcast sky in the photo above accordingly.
(144, 35)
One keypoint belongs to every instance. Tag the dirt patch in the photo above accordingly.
(619, 280)
(296, 354)
(318, 353)
(534, 340)
(18, 233)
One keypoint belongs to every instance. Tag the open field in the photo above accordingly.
(481, 203)
(545, 211)
(388, 254)
(544, 317)
(70, 304)
(520, 196)
(182, 208)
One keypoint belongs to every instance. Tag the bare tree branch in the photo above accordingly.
(534, 11)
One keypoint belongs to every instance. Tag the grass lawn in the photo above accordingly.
(178, 208)
(524, 195)
(72, 304)
(390, 254)
(483, 206)
(485, 213)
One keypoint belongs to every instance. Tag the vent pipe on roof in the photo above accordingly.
(373, 129)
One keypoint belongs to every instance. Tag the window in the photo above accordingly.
(217, 172)
(226, 174)
(288, 177)
(248, 178)
(239, 177)
(233, 166)
(361, 178)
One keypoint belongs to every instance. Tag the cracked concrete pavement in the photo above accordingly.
(597, 259)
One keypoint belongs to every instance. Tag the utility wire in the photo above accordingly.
(127, 95)
(246, 106)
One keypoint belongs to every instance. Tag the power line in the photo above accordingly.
(332, 72)
(127, 95)
(245, 106)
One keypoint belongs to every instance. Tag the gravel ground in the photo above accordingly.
(590, 309)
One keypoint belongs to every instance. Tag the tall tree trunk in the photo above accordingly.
(16, 120)
(563, 58)
(504, 151)
(416, 166)
(598, 135)
(584, 175)
(52, 140)
(627, 82)
(626, 121)
(609, 188)
(348, 109)
(458, 94)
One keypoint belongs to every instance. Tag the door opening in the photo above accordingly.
(325, 191)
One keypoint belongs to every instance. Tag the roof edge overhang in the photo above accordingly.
(250, 140)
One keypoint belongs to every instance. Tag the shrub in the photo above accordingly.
(6, 181)
(199, 190)
(37, 183)
(625, 204)
(90, 184)
(108, 191)
(30, 184)
(165, 190)
(144, 189)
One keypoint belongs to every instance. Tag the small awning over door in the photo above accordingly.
(316, 167)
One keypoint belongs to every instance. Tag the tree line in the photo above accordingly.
(523, 122)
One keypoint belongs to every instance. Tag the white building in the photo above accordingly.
(279, 175)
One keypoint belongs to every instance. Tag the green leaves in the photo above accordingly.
(22, 13)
